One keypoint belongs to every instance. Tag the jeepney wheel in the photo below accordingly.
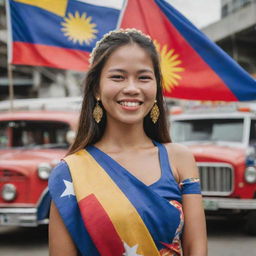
(251, 223)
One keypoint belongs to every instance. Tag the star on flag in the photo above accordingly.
(130, 251)
(69, 190)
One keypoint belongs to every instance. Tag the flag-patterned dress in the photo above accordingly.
(110, 212)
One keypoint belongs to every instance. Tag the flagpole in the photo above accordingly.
(10, 84)
(9, 55)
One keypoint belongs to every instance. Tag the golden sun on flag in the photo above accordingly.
(170, 66)
(79, 28)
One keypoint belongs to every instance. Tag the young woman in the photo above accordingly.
(124, 188)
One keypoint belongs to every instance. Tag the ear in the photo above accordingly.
(97, 93)
(97, 96)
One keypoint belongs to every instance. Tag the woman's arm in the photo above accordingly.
(60, 242)
(194, 239)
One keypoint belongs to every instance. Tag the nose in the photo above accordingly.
(131, 87)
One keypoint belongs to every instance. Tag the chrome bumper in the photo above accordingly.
(24, 217)
(216, 203)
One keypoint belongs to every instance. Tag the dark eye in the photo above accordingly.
(145, 78)
(117, 77)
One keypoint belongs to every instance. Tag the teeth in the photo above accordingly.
(129, 104)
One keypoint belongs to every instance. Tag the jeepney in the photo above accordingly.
(31, 144)
(223, 141)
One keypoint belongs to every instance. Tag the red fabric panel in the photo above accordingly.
(100, 227)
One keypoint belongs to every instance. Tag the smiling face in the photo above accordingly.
(128, 86)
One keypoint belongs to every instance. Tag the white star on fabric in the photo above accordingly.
(130, 251)
(69, 190)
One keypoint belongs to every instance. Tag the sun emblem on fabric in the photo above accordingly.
(170, 66)
(79, 29)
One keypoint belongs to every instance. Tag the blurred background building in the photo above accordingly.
(235, 33)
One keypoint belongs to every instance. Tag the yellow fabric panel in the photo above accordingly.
(57, 7)
(89, 178)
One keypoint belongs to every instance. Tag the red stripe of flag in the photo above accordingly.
(100, 227)
(50, 56)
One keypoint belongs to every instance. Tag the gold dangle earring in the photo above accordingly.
(154, 113)
(97, 112)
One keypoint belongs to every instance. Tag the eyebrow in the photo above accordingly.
(123, 71)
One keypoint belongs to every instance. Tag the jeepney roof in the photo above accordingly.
(214, 111)
(63, 104)
(213, 115)
(70, 117)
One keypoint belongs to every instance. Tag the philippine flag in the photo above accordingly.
(193, 66)
(58, 34)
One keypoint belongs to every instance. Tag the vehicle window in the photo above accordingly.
(253, 132)
(230, 130)
(3, 135)
(33, 134)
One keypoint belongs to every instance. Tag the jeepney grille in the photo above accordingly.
(216, 179)
(9, 175)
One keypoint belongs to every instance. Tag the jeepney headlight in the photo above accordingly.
(250, 174)
(44, 170)
(9, 192)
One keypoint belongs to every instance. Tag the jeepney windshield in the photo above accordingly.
(208, 130)
(33, 134)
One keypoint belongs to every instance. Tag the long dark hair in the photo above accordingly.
(89, 132)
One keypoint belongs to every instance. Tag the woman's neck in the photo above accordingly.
(124, 137)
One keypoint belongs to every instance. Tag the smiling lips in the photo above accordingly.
(130, 104)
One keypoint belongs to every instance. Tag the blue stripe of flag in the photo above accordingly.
(35, 25)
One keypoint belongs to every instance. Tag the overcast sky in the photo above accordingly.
(200, 12)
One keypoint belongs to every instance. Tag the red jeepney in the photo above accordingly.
(31, 144)
(224, 145)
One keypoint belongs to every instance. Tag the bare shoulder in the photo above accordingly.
(178, 149)
(182, 161)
